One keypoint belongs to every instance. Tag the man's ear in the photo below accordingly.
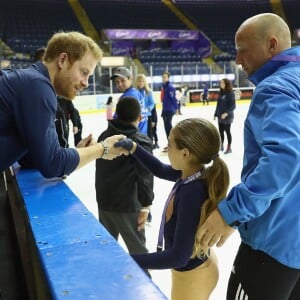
(273, 44)
(62, 59)
(140, 118)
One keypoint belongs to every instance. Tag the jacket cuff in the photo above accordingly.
(227, 215)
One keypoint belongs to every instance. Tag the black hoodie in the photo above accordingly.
(123, 184)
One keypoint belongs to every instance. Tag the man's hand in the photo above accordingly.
(213, 231)
(87, 141)
(113, 151)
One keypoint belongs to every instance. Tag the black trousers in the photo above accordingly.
(257, 276)
(125, 224)
(12, 286)
(225, 128)
(149, 128)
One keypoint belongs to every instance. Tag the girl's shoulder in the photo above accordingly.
(195, 186)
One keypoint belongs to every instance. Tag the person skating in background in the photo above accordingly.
(204, 94)
(224, 112)
(169, 104)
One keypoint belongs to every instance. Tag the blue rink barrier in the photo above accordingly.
(66, 253)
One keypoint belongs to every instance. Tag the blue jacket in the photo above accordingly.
(27, 112)
(149, 101)
(133, 92)
(267, 201)
(169, 101)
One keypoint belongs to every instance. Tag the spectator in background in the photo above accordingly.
(38, 54)
(123, 80)
(124, 188)
(154, 127)
(184, 94)
(78, 134)
(71, 113)
(204, 94)
(179, 96)
(224, 112)
(61, 128)
(265, 206)
(142, 85)
(109, 108)
(169, 104)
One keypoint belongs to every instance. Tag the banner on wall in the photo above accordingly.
(213, 94)
(200, 46)
(123, 41)
(151, 34)
(122, 47)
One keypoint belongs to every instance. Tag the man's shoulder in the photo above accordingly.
(133, 92)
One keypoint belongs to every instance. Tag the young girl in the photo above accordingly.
(202, 180)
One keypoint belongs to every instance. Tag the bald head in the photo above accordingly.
(269, 25)
(259, 38)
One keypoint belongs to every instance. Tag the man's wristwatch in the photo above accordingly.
(105, 148)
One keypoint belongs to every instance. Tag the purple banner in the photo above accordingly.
(200, 47)
(149, 34)
(122, 48)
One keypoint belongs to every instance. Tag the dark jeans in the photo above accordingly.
(149, 128)
(167, 118)
(257, 276)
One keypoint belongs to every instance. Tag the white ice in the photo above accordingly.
(82, 184)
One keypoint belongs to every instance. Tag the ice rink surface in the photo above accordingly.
(82, 184)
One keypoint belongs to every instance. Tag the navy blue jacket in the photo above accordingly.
(27, 113)
(180, 229)
(225, 104)
(169, 101)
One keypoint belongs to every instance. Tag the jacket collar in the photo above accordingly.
(288, 56)
(40, 67)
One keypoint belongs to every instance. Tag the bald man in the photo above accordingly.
(265, 206)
